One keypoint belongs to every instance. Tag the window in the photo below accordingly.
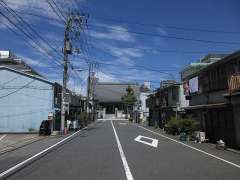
(193, 85)
(174, 94)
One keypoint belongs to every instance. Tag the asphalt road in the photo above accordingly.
(99, 153)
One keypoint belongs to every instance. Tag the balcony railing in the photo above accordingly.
(234, 83)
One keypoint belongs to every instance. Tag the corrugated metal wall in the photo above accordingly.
(24, 102)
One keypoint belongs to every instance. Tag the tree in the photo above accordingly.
(129, 99)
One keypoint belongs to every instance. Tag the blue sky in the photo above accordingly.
(111, 39)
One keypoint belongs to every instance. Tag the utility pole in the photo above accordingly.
(93, 79)
(66, 50)
(78, 21)
(90, 90)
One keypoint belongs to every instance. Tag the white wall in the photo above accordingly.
(182, 98)
(23, 109)
(144, 109)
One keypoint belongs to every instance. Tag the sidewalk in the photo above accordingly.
(25, 146)
(9, 142)
(230, 154)
(22, 151)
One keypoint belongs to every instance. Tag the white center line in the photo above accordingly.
(1, 138)
(123, 157)
(191, 147)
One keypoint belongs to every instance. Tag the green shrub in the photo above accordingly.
(172, 126)
(187, 125)
(83, 118)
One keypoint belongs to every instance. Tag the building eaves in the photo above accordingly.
(224, 60)
(26, 74)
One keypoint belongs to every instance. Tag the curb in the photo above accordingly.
(233, 150)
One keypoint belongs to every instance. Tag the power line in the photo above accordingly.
(29, 44)
(24, 33)
(27, 87)
(153, 50)
(14, 32)
(56, 12)
(154, 25)
(165, 36)
(28, 37)
(125, 74)
(156, 50)
(39, 16)
(1, 97)
(135, 66)
(59, 10)
(24, 23)
(166, 26)
(133, 80)
(148, 24)
(7, 82)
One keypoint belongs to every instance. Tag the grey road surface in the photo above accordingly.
(93, 154)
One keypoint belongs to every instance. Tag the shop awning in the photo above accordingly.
(207, 106)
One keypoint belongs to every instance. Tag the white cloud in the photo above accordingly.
(31, 5)
(106, 77)
(41, 7)
(32, 62)
(79, 84)
(75, 86)
(130, 52)
(162, 31)
(111, 32)
(123, 55)
(125, 61)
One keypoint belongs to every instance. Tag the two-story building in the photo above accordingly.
(168, 101)
(152, 103)
(144, 92)
(214, 100)
(27, 98)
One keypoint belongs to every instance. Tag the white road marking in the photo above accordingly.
(191, 147)
(103, 120)
(1, 138)
(154, 142)
(123, 157)
(122, 123)
(36, 155)
(113, 119)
